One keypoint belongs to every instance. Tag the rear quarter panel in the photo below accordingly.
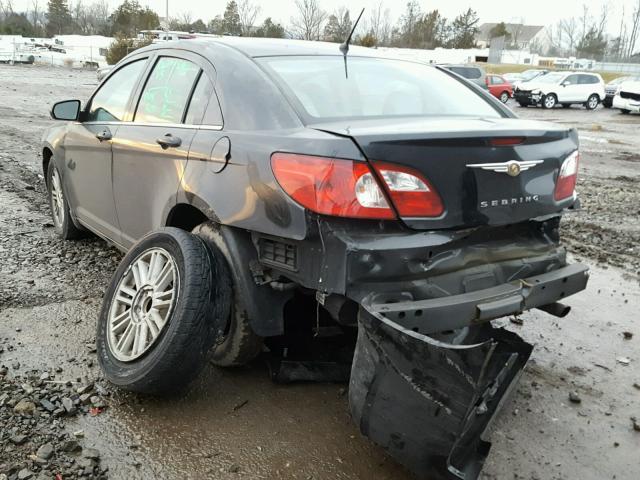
(245, 193)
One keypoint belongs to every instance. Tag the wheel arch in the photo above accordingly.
(266, 306)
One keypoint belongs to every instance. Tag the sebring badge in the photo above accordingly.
(512, 167)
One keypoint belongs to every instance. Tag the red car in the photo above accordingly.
(499, 87)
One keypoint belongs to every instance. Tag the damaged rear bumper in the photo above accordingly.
(457, 311)
(428, 401)
(426, 396)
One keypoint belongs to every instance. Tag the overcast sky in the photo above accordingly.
(537, 12)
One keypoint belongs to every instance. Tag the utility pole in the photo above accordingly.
(166, 18)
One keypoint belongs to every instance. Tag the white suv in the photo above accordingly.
(562, 88)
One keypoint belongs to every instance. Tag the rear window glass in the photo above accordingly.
(374, 88)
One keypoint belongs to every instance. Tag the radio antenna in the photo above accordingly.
(344, 46)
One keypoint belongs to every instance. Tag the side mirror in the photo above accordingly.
(67, 110)
(565, 83)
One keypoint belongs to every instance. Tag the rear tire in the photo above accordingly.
(593, 102)
(59, 205)
(236, 344)
(549, 101)
(504, 97)
(168, 314)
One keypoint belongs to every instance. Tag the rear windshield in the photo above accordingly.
(374, 88)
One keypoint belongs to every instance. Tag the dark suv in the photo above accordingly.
(472, 73)
(273, 194)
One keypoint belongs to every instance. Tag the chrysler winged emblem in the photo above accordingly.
(512, 167)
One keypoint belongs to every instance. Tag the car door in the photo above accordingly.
(88, 151)
(490, 84)
(571, 89)
(498, 85)
(150, 153)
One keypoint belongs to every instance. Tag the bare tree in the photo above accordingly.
(555, 38)
(385, 28)
(375, 19)
(6, 8)
(635, 31)
(308, 24)
(99, 13)
(569, 28)
(248, 12)
(35, 14)
(80, 17)
(185, 18)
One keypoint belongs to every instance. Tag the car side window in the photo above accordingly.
(165, 95)
(497, 80)
(202, 98)
(571, 80)
(109, 104)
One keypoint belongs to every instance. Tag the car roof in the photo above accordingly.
(264, 47)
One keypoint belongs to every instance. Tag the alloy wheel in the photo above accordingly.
(142, 305)
(593, 102)
(549, 101)
(504, 97)
(57, 199)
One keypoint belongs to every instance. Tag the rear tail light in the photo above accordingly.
(331, 186)
(347, 188)
(410, 192)
(566, 183)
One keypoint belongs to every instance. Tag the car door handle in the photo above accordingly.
(104, 135)
(169, 141)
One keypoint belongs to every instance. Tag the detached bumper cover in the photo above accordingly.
(428, 397)
(428, 402)
(457, 311)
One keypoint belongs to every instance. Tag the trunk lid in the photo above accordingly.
(454, 154)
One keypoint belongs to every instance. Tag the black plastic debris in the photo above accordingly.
(429, 399)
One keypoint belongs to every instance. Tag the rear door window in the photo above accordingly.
(167, 91)
(203, 106)
(109, 104)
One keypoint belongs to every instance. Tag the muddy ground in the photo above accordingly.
(237, 423)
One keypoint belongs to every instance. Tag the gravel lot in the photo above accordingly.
(236, 423)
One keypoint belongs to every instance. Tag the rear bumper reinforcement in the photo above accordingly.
(457, 311)
(428, 402)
